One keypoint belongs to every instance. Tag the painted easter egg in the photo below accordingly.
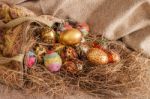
(52, 61)
(30, 59)
(40, 51)
(70, 53)
(73, 66)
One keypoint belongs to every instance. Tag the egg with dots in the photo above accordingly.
(52, 61)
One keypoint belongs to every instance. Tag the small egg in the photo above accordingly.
(97, 56)
(73, 66)
(70, 53)
(71, 37)
(40, 51)
(70, 66)
(113, 57)
(30, 59)
(52, 61)
(48, 35)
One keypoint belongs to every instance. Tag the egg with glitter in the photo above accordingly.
(30, 59)
(97, 56)
(40, 51)
(71, 37)
(52, 61)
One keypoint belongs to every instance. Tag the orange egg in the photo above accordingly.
(113, 57)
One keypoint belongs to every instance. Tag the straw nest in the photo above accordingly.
(129, 77)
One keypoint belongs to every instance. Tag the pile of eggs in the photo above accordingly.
(64, 47)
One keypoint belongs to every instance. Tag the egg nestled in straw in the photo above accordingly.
(48, 35)
(52, 61)
(97, 56)
(71, 37)
(30, 59)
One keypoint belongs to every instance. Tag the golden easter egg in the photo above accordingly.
(97, 56)
(48, 35)
(71, 37)
(40, 51)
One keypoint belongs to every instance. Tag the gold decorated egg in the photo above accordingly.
(40, 51)
(58, 47)
(97, 56)
(48, 35)
(71, 37)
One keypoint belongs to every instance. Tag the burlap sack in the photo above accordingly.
(126, 19)
(115, 19)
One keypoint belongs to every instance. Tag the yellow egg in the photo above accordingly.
(71, 37)
(97, 56)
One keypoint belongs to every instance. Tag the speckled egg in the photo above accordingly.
(97, 56)
(52, 61)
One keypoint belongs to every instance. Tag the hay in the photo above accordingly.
(129, 77)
